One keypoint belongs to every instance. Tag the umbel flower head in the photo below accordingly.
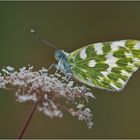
(52, 92)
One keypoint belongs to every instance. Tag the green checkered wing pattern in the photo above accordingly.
(107, 65)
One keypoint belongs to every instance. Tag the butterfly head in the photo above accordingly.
(60, 54)
(62, 58)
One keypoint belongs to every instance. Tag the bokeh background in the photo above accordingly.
(68, 25)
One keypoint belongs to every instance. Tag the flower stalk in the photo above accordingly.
(27, 121)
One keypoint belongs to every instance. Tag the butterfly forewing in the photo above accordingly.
(107, 65)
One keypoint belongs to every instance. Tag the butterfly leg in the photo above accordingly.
(52, 66)
(68, 76)
(56, 67)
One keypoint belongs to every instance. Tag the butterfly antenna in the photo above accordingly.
(42, 40)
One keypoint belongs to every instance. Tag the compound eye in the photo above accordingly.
(58, 54)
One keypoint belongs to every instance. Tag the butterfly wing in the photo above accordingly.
(107, 65)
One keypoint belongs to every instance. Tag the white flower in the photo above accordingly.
(10, 68)
(51, 92)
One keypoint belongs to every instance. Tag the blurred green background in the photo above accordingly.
(68, 25)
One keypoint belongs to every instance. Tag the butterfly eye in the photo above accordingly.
(58, 54)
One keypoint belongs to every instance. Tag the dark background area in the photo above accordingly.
(68, 25)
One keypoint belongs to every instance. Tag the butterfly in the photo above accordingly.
(106, 65)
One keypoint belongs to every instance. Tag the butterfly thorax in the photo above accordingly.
(62, 58)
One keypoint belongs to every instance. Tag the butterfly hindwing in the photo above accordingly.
(107, 65)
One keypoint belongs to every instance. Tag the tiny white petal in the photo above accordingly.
(80, 106)
(89, 94)
(87, 109)
(9, 68)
